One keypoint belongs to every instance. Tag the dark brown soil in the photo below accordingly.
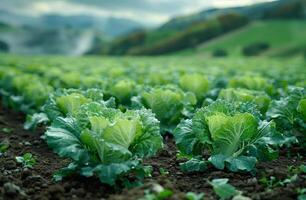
(19, 183)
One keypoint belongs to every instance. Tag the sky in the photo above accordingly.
(153, 12)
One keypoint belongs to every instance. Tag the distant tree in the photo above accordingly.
(232, 21)
(4, 47)
(255, 49)
(291, 10)
(96, 48)
(194, 35)
(124, 44)
(219, 53)
(4, 25)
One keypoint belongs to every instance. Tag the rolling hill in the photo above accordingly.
(188, 32)
(285, 37)
(253, 12)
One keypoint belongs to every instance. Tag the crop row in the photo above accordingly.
(108, 118)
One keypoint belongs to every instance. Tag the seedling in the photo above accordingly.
(223, 189)
(157, 193)
(27, 160)
(163, 171)
(7, 130)
(4, 145)
(303, 168)
(301, 193)
(194, 196)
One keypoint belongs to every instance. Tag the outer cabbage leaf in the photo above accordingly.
(240, 163)
(193, 165)
(186, 139)
(63, 138)
(110, 173)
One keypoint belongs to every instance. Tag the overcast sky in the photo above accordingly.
(145, 11)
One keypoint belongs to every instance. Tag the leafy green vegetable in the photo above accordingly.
(196, 83)
(233, 133)
(123, 90)
(169, 103)
(104, 141)
(163, 171)
(157, 193)
(7, 130)
(289, 113)
(4, 145)
(194, 196)
(23, 95)
(252, 83)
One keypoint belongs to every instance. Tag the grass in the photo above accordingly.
(282, 35)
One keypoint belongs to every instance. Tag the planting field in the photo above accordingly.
(169, 127)
(285, 38)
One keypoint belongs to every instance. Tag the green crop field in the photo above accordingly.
(153, 100)
(110, 117)
(283, 36)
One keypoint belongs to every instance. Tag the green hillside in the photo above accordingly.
(284, 38)
(188, 32)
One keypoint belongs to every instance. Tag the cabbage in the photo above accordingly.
(169, 104)
(195, 83)
(24, 95)
(97, 138)
(232, 133)
(252, 83)
(123, 90)
(289, 113)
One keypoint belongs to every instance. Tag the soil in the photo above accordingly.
(17, 182)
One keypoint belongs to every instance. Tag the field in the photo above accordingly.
(284, 37)
(168, 127)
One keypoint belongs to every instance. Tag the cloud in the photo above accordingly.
(145, 11)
